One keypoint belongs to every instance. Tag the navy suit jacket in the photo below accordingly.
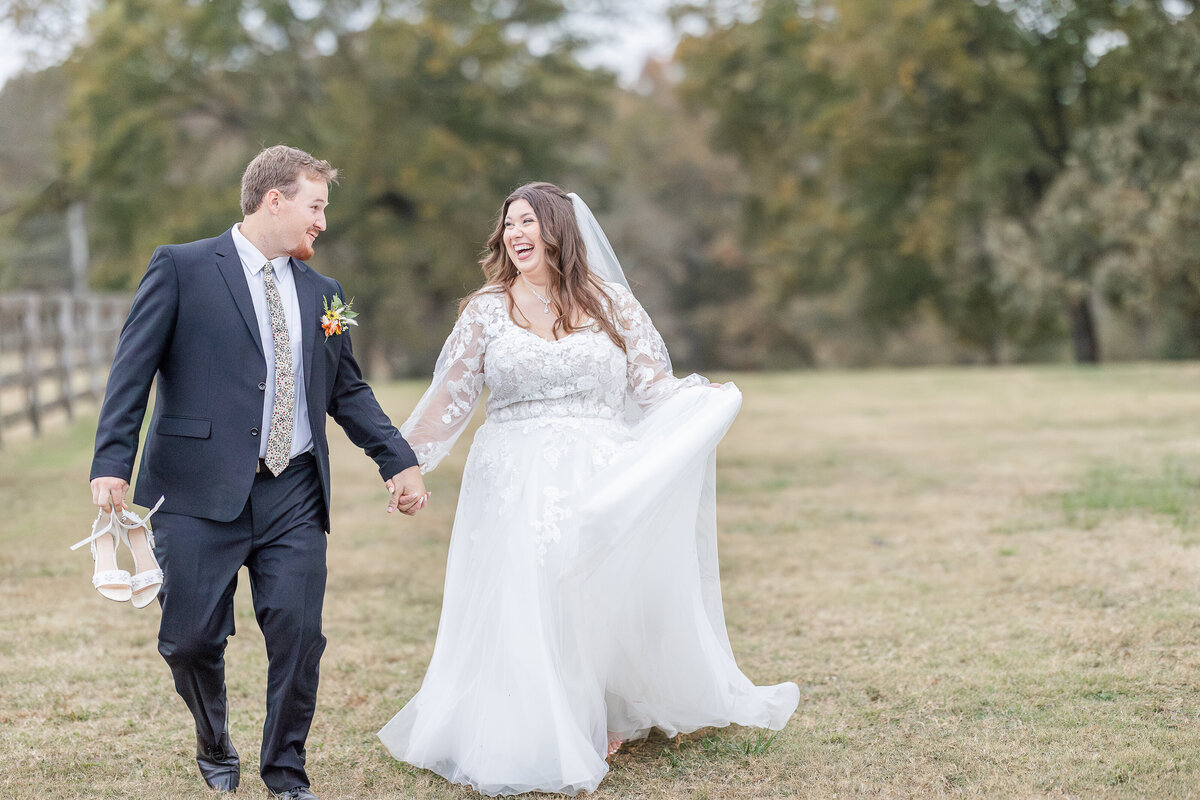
(192, 326)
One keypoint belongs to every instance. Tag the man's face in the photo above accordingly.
(301, 219)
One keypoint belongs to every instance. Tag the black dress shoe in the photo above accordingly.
(297, 793)
(219, 765)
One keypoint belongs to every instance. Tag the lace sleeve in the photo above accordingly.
(648, 366)
(447, 405)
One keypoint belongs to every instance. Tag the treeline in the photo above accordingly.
(806, 183)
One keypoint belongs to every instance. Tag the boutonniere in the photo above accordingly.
(337, 316)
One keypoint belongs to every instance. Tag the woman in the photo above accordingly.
(582, 604)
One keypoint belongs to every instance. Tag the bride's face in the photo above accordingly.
(523, 239)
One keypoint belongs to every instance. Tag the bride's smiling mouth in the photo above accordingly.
(523, 250)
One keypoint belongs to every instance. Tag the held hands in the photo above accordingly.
(109, 492)
(407, 491)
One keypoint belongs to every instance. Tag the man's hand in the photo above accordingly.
(110, 492)
(407, 491)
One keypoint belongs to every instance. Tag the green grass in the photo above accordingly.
(984, 582)
(1173, 491)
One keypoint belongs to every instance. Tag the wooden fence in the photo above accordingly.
(55, 351)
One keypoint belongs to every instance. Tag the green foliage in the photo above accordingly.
(808, 182)
(671, 211)
(32, 245)
(433, 122)
(159, 126)
(903, 149)
(433, 111)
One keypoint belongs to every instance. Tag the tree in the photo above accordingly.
(670, 207)
(32, 242)
(435, 119)
(903, 131)
(433, 109)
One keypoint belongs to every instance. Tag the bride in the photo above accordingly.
(582, 605)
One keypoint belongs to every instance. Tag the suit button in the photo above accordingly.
(254, 431)
(262, 387)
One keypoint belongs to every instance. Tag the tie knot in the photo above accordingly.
(269, 268)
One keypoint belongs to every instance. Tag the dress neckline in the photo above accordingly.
(508, 313)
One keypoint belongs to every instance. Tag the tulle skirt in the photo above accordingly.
(582, 599)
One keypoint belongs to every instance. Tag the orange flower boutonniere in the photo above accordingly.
(337, 316)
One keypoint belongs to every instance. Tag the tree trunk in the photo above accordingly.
(1083, 331)
(77, 239)
(1190, 348)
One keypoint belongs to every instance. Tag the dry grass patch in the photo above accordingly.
(983, 581)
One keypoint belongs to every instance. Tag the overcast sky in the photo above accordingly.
(10, 59)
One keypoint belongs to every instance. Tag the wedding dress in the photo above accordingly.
(582, 594)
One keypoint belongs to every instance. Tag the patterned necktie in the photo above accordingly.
(279, 443)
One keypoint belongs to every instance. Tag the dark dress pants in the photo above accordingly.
(279, 538)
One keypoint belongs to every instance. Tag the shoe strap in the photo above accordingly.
(117, 577)
(144, 580)
(129, 520)
(96, 534)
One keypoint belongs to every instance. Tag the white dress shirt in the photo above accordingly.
(253, 263)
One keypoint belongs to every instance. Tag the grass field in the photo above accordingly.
(984, 582)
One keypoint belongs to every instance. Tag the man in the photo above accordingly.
(231, 327)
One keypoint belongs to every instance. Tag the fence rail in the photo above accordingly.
(55, 350)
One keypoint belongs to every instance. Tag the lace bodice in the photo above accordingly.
(579, 376)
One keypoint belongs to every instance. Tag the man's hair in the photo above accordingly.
(279, 167)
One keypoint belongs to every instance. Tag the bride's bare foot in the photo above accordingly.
(614, 745)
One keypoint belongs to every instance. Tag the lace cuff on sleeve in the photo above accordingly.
(447, 405)
(648, 366)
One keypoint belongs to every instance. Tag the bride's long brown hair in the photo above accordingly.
(575, 292)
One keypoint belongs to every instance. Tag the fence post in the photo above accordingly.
(66, 352)
(30, 339)
(92, 346)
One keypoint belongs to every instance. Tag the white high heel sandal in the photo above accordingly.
(137, 535)
(110, 582)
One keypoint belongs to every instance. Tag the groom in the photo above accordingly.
(231, 329)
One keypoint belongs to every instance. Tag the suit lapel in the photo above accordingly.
(310, 313)
(230, 267)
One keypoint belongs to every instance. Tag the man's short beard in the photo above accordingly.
(301, 252)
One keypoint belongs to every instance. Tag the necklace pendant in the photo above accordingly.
(545, 301)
